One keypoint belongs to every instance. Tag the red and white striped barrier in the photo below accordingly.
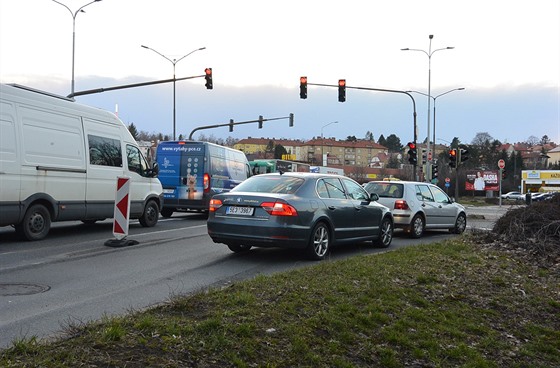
(122, 214)
(122, 208)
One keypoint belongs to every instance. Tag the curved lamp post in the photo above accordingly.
(434, 99)
(174, 62)
(324, 159)
(74, 33)
(429, 53)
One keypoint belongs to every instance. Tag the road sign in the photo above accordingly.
(501, 163)
(447, 180)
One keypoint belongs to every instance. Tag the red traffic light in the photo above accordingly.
(411, 145)
(303, 87)
(453, 153)
(341, 90)
(208, 76)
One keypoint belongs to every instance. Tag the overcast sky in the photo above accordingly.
(506, 55)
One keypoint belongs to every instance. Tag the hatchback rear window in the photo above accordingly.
(385, 190)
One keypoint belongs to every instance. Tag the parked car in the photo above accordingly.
(419, 206)
(308, 211)
(543, 196)
(517, 196)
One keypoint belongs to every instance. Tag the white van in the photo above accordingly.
(59, 161)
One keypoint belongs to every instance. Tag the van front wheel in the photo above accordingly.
(36, 223)
(151, 215)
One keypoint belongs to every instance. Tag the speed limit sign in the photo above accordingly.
(501, 164)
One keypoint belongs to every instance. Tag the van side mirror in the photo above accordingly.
(154, 171)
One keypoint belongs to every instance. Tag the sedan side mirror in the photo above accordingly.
(374, 196)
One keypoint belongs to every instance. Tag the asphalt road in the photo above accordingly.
(72, 277)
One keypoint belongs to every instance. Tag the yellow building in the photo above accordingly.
(540, 181)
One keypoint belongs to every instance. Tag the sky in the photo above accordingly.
(506, 56)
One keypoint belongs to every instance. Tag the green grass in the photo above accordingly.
(450, 304)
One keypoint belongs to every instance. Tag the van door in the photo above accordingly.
(9, 166)
(105, 164)
(53, 158)
(141, 185)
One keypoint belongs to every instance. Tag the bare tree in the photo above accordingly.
(482, 139)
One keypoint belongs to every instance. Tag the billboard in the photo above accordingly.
(482, 180)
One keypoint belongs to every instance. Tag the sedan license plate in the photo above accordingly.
(243, 211)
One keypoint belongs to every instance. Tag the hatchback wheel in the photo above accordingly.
(320, 242)
(460, 224)
(417, 226)
(385, 234)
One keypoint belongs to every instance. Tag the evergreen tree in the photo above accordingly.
(132, 129)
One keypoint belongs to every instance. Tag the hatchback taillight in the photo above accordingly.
(279, 209)
(214, 205)
(401, 205)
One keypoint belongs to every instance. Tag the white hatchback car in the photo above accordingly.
(419, 206)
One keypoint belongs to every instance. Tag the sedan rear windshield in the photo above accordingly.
(270, 184)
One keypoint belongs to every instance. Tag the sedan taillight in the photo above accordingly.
(279, 209)
(401, 205)
(214, 205)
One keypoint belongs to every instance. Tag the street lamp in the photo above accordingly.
(429, 53)
(435, 98)
(74, 33)
(324, 157)
(174, 62)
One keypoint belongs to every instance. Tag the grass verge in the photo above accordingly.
(451, 304)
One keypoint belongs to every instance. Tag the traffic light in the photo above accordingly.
(434, 171)
(303, 87)
(208, 77)
(412, 154)
(341, 90)
(260, 121)
(424, 157)
(231, 125)
(453, 157)
(464, 153)
(291, 120)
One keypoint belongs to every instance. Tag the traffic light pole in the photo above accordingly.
(380, 90)
(99, 90)
(231, 123)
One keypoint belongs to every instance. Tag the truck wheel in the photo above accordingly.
(36, 223)
(151, 214)
(167, 212)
